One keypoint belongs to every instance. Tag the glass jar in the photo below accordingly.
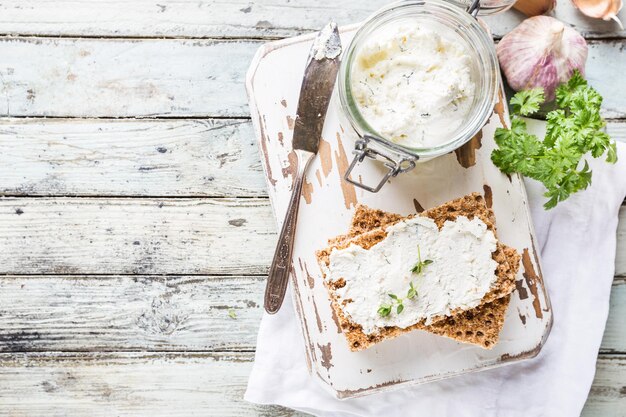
(459, 20)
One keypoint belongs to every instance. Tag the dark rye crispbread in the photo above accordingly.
(481, 325)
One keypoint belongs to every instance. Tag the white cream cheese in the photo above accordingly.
(461, 273)
(412, 85)
(326, 44)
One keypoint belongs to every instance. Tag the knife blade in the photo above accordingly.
(317, 86)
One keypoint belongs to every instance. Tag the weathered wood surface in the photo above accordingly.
(614, 340)
(232, 18)
(67, 77)
(210, 158)
(620, 256)
(147, 236)
(123, 78)
(164, 158)
(207, 384)
(135, 236)
(129, 313)
(608, 394)
(137, 313)
(63, 76)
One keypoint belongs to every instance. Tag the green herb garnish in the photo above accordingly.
(384, 310)
(398, 301)
(420, 265)
(412, 293)
(232, 314)
(574, 129)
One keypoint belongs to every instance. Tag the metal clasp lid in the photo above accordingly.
(394, 158)
(473, 8)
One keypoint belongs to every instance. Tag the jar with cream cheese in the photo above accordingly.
(419, 79)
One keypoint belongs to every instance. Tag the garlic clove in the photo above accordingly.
(600, 9)
(535, 7)
(541, 52)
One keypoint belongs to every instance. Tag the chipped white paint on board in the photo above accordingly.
(273, 86)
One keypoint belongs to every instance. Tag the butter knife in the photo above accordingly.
(317, 87)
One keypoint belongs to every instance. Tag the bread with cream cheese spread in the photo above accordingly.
(480, 325)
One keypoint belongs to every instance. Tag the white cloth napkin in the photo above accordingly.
(577, 241)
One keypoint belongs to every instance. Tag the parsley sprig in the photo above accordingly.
(574, 129)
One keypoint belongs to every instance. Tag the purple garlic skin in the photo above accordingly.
(541, 52)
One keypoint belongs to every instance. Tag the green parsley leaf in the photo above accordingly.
(527, 102)
(611, 155)
(573, 130)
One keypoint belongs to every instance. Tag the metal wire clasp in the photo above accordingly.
(396, 160)
(474, 8)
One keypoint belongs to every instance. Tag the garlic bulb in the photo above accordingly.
(541, 52)
(601, 9)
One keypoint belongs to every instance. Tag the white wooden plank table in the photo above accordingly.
(134, 213)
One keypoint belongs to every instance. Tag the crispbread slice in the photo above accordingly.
(480, 325)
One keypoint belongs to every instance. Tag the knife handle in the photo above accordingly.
(281, 264)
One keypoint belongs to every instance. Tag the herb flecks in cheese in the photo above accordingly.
(461, 273)
(413, 85)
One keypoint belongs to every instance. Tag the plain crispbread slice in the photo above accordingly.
(481, 325)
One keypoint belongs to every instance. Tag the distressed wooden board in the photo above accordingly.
(109, 313)
(135, 236)
(66, 77)
(177, 158)
(179, 236)
(620, 257)
(123, 78)
(48, 157)
(590, 28)
(387, 365)
(232, 18)
(210, 384)
(135, 313)
(142, 384)
(614, 340)
(607, 397)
